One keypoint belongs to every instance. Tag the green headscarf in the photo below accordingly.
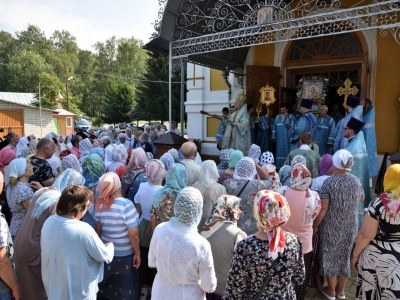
(234, 158)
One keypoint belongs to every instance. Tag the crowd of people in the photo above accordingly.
(96, 216)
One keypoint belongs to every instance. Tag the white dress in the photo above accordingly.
(184, 262)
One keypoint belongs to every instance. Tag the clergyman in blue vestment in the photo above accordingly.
(358, 150)
(281, 133)
(324, 134)
(265, 124)
(306, 123)
(370, 137)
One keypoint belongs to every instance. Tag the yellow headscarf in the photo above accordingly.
(391, 181)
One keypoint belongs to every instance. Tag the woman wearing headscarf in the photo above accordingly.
(222, 233)
(376, 255)
(337, 224)
(234, 158)
(119, 156)
(135, 173)
(224, 159)
(155, 172)
(146, 142)
(99, 151)
(19, 190)
(118, 223)
(209, 188)
(175, 154)
(267, 164)
(27, 242)
(7, 154)
(164, 199)
(244, 186)
(167, 160)
(325, 171)
(70, 162)
(255, 152)
(85, 146)
(305, 205)
(268, 264)
(177, 243)
(284, 171)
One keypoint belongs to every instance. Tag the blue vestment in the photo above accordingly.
(306, 123)
(221, 128)
(265, 125)
(370, 141)
(324, 134)
(252, 129)
(340, 141)
(281, 133)
(357, 148)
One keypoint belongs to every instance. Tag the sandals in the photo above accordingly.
(324, 292)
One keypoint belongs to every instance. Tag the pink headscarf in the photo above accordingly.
(109, 183)
(7, 154)
(138, 159)
(155, 171)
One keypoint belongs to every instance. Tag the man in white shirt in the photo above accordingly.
(130, 138)
(173, 128)
(189, 153)
(108, 147)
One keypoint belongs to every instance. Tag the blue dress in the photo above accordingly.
(340, 141)
(281, 133)
(370, 140)
(324, 134)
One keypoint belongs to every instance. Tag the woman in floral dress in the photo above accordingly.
(252, 263)
(377, 252)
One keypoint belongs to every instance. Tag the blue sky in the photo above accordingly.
(88, 20)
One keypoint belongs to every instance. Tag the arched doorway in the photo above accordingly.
(336, 57)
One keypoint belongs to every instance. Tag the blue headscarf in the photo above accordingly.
(234, 158)
(65, 179)
(167, 160)
(98, 150)
(16, 169)
(284, 175)
(175, 180)
(174, 154)
(92, 169)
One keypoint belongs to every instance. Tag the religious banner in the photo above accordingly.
(315, 88)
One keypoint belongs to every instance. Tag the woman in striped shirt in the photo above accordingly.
(118, 224)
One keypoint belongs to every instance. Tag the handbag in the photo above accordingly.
(315, 280)
(266, 280)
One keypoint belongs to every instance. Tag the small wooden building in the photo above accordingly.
(63, 121)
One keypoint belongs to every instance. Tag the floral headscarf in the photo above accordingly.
(391, 186)
(326, 165)
(188, 208)
(208, 175)
(245, 169)
(70, 162)
(167, 160)
(267, 158)
(300, 177)
(271, 210)
(92, 169)
(174, 154)
(255, 152)
(224, 158)
(175, 180)
(234, 158)
(299, 159)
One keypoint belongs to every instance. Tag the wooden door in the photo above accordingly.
(258, 77)
(61, 126)
(13, 119)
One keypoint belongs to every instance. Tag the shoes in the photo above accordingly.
(324, 292)
(341, 297)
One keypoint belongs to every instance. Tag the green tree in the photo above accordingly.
(119, 100)
(8, 45)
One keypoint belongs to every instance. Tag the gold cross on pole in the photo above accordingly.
(194, 78)
(347, 90)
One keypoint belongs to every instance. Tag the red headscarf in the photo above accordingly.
(7, 154)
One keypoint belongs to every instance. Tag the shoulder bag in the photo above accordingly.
(266, 280)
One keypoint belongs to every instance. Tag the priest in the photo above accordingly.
(324, 134)
(370, 137)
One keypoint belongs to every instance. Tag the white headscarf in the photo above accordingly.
(341, 158)
(85, 146)
(245, 169)
(208, 175)
(255, 152)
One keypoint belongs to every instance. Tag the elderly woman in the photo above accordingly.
(244, 186)
(209, 187)
(176, 243)
(268, 264)
(118, 224)
(135, 173)
(376, 255)
(167, 160)
(305, 205)
(234, 158)
(19, 190)
(119, 156)
(325, 171)
(164, 199)
(72, 254)
(255, 152)
(224, 159)
(146, 142)
(175, 154)
(155, 173)
(337, 224)
(70, 162)
(85, 146)
(222, 233)
(27, 242)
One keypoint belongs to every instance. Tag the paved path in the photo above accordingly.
(313, 294)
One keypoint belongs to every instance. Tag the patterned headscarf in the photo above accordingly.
(267, 157)
(326, 165)
(175, 180)
(245, 169)
(391, 186)
(224, 158)
(65, 179)
(85, 146)
(167, 160)
(299, 159)
(188, 208)
(70, 162)
(7, 154)
(271, 210)
(255, 152)
(99, 151)
(174, 154)
(234, 158)
(300, 177)
(92, 169)
(155, 171)
(208, 175)
(109, 183)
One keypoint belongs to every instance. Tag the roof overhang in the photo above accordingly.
(29, 106)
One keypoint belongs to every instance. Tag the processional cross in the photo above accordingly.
(347, 90)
